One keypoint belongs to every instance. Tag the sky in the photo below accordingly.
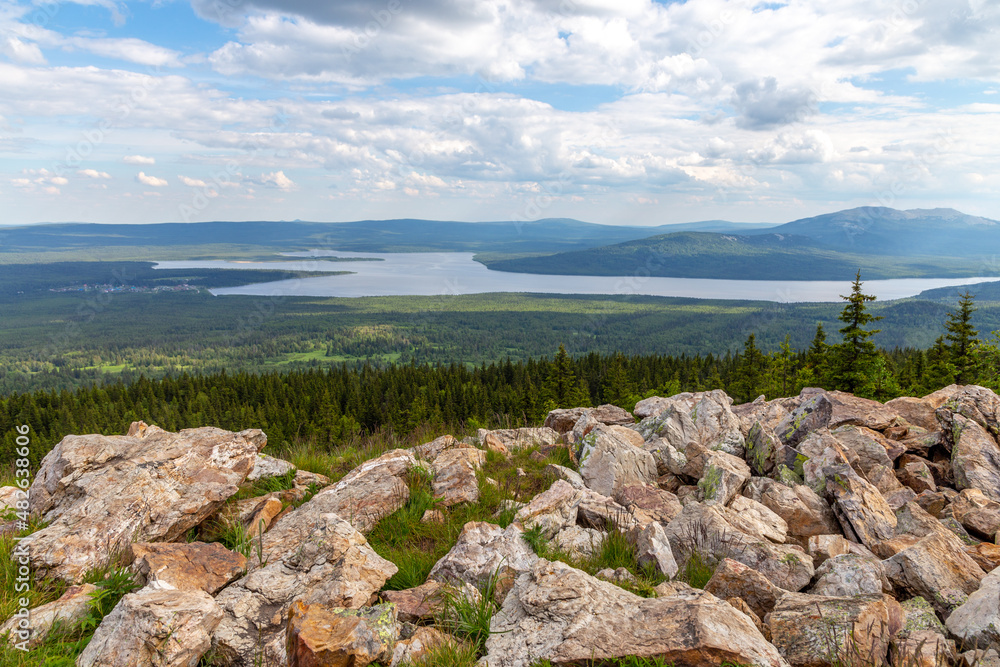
(609, 111)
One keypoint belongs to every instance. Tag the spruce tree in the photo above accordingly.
(856, 356)
(962, 340)
(750, 371)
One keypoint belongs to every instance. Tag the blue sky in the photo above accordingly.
(612, 111)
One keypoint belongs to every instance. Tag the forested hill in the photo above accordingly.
(765, 256)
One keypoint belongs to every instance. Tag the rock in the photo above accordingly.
(922, 641)
(977, 513)
(653, 548)
(563, 420)
(832, 409)
(305, 479)
(579, 542)
(917, 476)
(319, 560)
(9, 497)
(186, 565)
(68, 611)
(937, 569)
(563, 615)
(267, 467)
(716, 425)
(817, 631)
(257, 514)
(805, 513)
(419, 646)
(823, 547)
(870, 446)
(514, 439)
(483, 550)
(671, 428)
(722, 476)
(455, 476)
(623, 576)
(100, 493)
(552, 510)
(612, 458)
(319, 635)
(976, 623)
(755, 518)
(986, 555)
(920, 411)
(433, 449)
(565, 474)
(432, 516)
(742, 607)
(976, 403)
(734, 579)
(975, 458)
(154, 627)
(602, 513)
(850, 575)
(703, 528)
(884, 479)
(980, 658)
(651, 501)
(861, 509)
(649, 407)
(933, 502)
(422, 603)
(897, 499)
(762, 444)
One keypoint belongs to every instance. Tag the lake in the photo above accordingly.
(444, 273)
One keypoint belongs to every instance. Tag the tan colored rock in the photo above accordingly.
(975, 458)
(99, 493)
(455, 476)
(716, 425)
(832, 409)
(255, 513)
(653, 549)
(314, 559)
(684, 402)
(850, 575)
(733, 579)
(937, 569)
(266, 467)
(68, 611)
(804, 512)
(419, 646)
(551, 510)
(563, 420)
(424, 602)
(976, 623)
(977, 403)
(612, 458)
(823, 547)
(659, 505)
(566, 474)
(186, 565)
(9, 497)
(741, 606)
(933, 502)
(986, 555)
(602, 513)
(433, 449)
(922, 642)
(816, 631)
(870, 446)
(917, 476)
(514, 439)
(154, 627)
(977, 513)
(563, 615)
(305, 479)
(920, 411)
(324, 636)
(863, 513)
(482, 550)
(432, 516)
(668, 436)
(721, 476)
(884, 479)
(579, 542)
(755, 518)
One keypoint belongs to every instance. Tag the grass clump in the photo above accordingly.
(468, 618)
(266, 485)
(448, 654)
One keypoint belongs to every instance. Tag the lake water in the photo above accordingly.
(442, 273)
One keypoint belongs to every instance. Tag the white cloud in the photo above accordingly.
(21, 52)
(277, 180)
(192, 182)
(151, 181)
(138, 159)
(93, 173)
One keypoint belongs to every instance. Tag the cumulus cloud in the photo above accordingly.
(93, 173)
(763, 106)
(277, 180)
(192, 182)
(151, 181)
(138, 159)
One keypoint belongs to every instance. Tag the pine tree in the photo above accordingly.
(855, 358)
(962, 340)
(750, 371)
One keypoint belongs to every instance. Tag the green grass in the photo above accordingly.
(696, 571)
(449, 654)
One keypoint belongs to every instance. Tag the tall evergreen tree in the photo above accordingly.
(750, 371)
(856, 356)
(962, 340)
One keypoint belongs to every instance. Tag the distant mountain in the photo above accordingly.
(886, 231)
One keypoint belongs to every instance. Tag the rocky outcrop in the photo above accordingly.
(186, 565)
(266, 467)
(937, 569)
(612, 457)
(484, 550)
(455, 476)
(975, 457)
(976, 623)
(563, 420)
(100, 493)
(565, 616)
(552, 510)
(322, 635)
(513, 439)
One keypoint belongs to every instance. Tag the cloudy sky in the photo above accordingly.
(612, 111)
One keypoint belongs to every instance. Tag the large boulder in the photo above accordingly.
(721, 476)
(733, 579)
(513, 439)
(871, 447)
(563, 420)
(320, 635)
(977, 513)
(850, 575)
(612, 458)
(864, 514)
(977, 403)
(755, 518)
(937, 569)
(154, 627)
(100, 493)
(322, 560)
(832, 409)
(455, 478)
(565, 616)
(484, 551)
(804, 511)
(976, 623)
(268, 467)
(671, 427)
(187, 565)
(975, 457)
(551, 510)
(649, 502)
(716, 425)
(818, 631)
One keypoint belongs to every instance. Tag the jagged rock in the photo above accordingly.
(917, 476)
(937, 569)
(551, 510)
(154, 627)
(266, 467)
(567, 475)
(602, 513)
(823, 547)
(612, 458)
(757, 519)
(850, 575)
(832, 409)
(986, 555)
(977, 513)
(861, 509)
(898, 499)
(716, 425)
(563, 615)
(319, 635)
(870, 446)
(672, 426)
(703, 528)
(975, 457)
(819, 450)
(922, 642)
(514, 439)
(417, 647)
(976, 623)
(884, 479)
(186, 566)
(305, 479)
(977, 403)
(722, 476)
(433, 449)
(68, 611)
(933, 502)
(432, 516)
(669, 459)
(742, 607)
(322, 559)
(653, 548)
(766, 413)
(579, 542)
(817, 631)
(684, 402)
(9, 496)
(805, 513)
(762, 444)
(623, 576)
(980, 658)
(99, 493)
(256, 514)
(455, 476)
(921, 411)
(563, 420)
(733, 579)
(482, 551)
(649, 501)
(423, 602)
